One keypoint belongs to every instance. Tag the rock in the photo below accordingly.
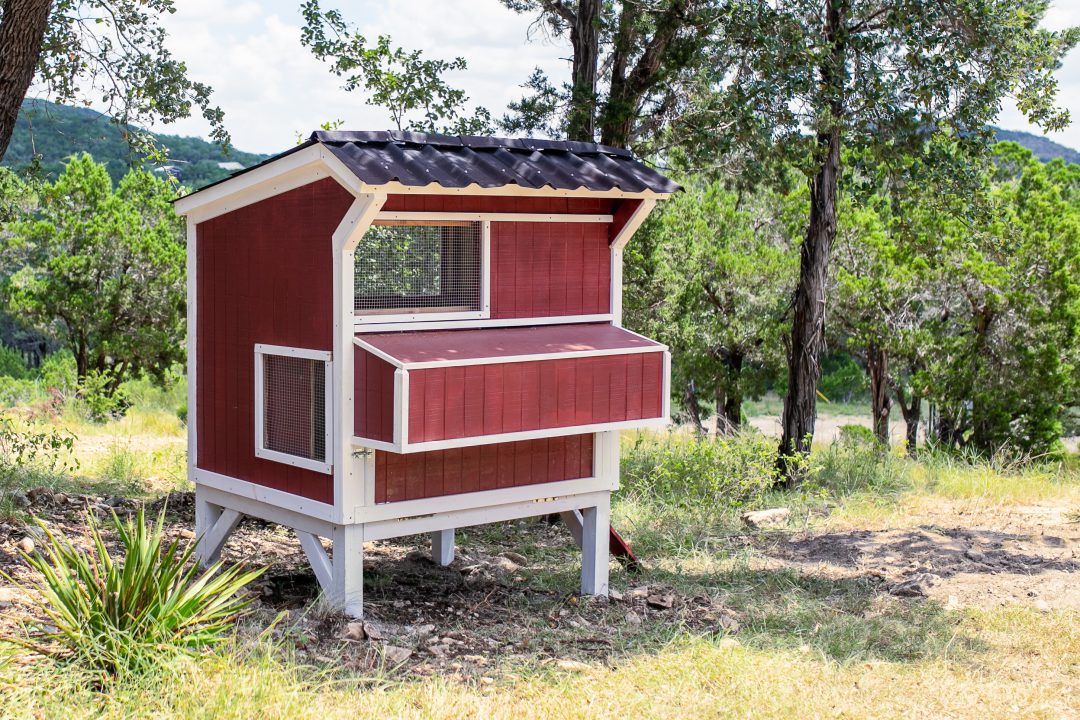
(114, 501)
(20, 500)
(26, 545)
(773, 517)
(504, 564)
(514, 557)
(728, 642)
(638, 593)
(728, 623)
(438, 651)
(615, 595)
(953, 602)
(354, 631)
(915, 586)
(663, 602)
(422, 631)
(40, 495)
(572, 665)
(975, 555)
(377, 630)
(396, 655)
(632, 618)
(187, 534)
(7, 597)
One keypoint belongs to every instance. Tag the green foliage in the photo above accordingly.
(710, 274)
(12, 364)
(691, 472)
(20, 448)
(47, 134)
(134, 614)
(59, 372)
(104, 270)
(856, 462)
(409, 86)
(100, 397)
(115, 52)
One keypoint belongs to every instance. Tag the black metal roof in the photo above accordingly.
(418, 159)
(456, 161)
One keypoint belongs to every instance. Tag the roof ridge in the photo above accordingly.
(476, 142)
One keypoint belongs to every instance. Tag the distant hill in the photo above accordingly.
(1043, 148)
(56, 132)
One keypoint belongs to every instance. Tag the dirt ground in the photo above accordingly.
(490, 605)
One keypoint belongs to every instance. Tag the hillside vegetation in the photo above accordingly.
(57, 132)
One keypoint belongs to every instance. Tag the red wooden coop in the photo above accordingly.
(393, 333)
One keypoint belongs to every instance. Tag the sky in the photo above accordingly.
(272, 88)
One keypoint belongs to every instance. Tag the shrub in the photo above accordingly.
(127, 617)
(102, 401)
(12, 364)
(856, 434)
(688, 471)
(856, 462)
(15, 392)
(45, 446)
(58, 372)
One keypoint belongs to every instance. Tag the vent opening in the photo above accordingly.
(416, 267)
(292, 419)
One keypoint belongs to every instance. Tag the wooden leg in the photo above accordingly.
(572, 520)
(213, 526)
(347, 565)
(442, 547)
(595, 527)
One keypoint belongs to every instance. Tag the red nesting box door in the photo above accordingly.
(420, 391)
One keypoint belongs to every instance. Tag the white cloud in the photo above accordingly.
(271, 87)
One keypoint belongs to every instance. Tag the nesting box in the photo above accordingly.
(393, 333)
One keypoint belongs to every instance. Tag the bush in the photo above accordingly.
(688, 471)
(12, 364)
(856, 462)
(99, 399)
(856, 434)
(131, 616)
(15, 392)
(58, 372)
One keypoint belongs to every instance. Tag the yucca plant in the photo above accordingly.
(131, 615)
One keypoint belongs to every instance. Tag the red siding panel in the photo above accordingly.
(263, 276)
(550, 269)
(448, 472)
(374, 397)
(534, 395)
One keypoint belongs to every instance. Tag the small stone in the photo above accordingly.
(728, 642)
(504, 564)
(615, 595)
(773, 517)
(7, 596)
(354, 631)
(486, 680)
(114, 501)
(26, 545)
(1041, 605)
(953, 602)
(187, 534)
(638, 593)
(571, 665)
(396, 655)
(915, 586)
(514, 557)
(728, 623)
(632, 618)
(20, 500)
(423, 631)
(438, 651)
(663, 602)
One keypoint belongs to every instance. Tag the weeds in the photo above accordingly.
(130, 616)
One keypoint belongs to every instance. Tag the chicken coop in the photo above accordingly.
(393, 334)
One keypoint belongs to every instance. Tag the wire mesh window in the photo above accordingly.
(406, 266)
(293, 406)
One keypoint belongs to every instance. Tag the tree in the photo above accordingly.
(1007, 355)
(108, 50)
(879, 77)
(633, 67)
(711, 279)
(409, 86)
(104, 270)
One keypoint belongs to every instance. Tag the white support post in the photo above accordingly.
(213, 526)
(347, 587)
(572, 520)
(595, 528)
(320, 563)
(442, 546)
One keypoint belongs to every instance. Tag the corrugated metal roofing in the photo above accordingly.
(454, 161)
(417, 159)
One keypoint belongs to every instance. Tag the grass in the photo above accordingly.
(807, 645)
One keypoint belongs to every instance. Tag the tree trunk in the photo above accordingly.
(912, 412)
(693, 407)
(877, 367)
(22, 28)
(808, 321)
(585, 40)
(729, 395)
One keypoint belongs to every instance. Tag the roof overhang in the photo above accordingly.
(313, 161)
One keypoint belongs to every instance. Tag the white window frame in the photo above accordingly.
(434, 313)
(325, 466)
